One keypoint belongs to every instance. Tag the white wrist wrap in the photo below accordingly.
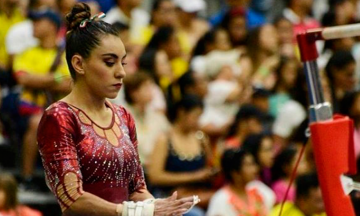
(141, 208)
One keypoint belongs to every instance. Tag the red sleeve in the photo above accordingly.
(57, 146)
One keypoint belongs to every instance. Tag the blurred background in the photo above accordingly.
(216, 88)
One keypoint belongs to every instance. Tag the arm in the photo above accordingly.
(56, 138)
(159, 176)
(34, 80)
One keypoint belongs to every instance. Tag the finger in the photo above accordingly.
(173, 197)
(179, 212)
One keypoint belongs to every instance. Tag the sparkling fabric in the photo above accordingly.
(79, 155)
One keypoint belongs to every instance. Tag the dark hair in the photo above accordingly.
(187, 103)
(338, 60)
(253, 45)
(252, 144)
(147, 58)
(8, 184)
(283, 62)
(208, 38)
(133, 82)
(245, 112)
(347, 103)
(304, 183)
(83, 40)
(233, 13)
(283, 159)
(232, 161)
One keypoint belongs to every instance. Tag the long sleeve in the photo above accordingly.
(57, 146)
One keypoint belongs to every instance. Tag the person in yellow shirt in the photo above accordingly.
(42, 72)
(308, 201)
(10, 14)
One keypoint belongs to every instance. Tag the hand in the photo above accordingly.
(204, 174)
(172, 206)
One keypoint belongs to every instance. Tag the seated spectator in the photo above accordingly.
(287, 43)
(349, 106)
(44, 76)
(139, 88)
(10, 14)
(182, 160)
(9, 203)
(162, 14)
(263, 51)
(247, 122)
(308, 200)
(286, 73)
(128, 12)
(281, 173)
(239, 168)
(340, 71)
(190, 27)
(261, 146)
(162, 57)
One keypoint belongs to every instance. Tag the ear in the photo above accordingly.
(77, 63)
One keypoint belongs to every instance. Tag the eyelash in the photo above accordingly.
(110, 64)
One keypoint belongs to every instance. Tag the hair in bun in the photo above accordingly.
(81, 40)
(79, 12)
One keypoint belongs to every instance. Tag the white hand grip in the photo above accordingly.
(341, 31)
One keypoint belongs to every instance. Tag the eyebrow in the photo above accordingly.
(113, 55)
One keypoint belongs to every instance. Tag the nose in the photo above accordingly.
(120, 72)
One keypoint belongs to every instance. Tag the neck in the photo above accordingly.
(83, 98)
(126, 10)
(178, 127)
(48, 42)
(238, 189)
(302, 208)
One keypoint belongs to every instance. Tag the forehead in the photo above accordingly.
(110, 44)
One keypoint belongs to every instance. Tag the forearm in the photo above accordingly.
(141, 195)
(63, 87)
(171, 178)
(91, 205)
(35, 81)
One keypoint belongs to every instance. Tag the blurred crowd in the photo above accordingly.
(216, 88)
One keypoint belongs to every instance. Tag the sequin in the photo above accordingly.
(104, 163)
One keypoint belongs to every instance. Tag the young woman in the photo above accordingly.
(88, 145)
(9, 203)
(261, 146)
(239, 168)
(180, 161)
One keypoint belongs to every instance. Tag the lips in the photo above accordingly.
(118, 85)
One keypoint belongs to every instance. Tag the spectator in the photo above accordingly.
(340, 71)
(286, 73)
(298, 12)
(128, 13)
(10, 14)
(247, 122)
(235, 24)
(349, 106)
(253, 18)
(162, 14)
(181, 160)
(43, 73)
(308, 199)
(9, 203)
(287, 43)
(139, 90)
(261, 146)
(239, 168)
(263, 51)
(283, 167)
(191, 28)
(162, 57)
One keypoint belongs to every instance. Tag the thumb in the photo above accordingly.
(173, 196)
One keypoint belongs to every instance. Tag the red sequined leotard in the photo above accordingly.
(78, 155)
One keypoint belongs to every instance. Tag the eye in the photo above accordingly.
(109, 63)
(123, 63)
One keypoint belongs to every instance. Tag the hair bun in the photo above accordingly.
(79, 12)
